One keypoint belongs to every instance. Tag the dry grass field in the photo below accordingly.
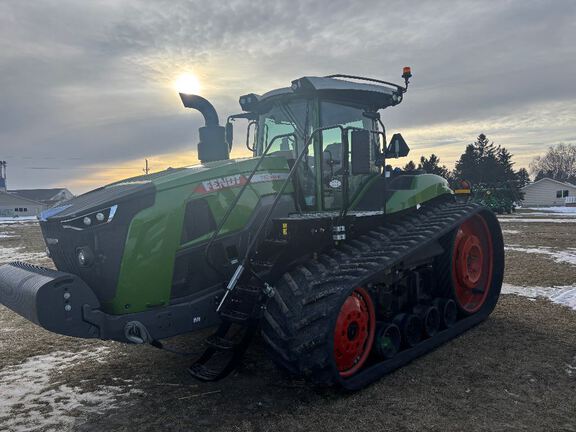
(515, 371)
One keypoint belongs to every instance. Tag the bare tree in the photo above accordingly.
(559, 163)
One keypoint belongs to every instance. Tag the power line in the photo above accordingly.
(81, 168)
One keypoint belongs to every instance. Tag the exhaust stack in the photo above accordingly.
(212, 146)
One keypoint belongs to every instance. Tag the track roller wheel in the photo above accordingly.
(448, 312)
(430, 316)
(388, 340)
(410, 327)
(354, 332)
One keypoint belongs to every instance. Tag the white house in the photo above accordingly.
(547, 193)
(12, 205)
(48, 197)
(27, 202)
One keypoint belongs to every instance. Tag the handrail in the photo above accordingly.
(232, 206)
(253, 122)
(283, 188)
(346, 203)
(241, 267)
(359, 78)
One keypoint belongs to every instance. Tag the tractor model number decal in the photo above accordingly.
(220, 183)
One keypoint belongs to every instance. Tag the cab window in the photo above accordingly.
(333, 114)
(297, 117)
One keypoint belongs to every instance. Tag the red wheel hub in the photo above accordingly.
(472, 264)
(354, 332)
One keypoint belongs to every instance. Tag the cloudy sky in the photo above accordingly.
(87, 87)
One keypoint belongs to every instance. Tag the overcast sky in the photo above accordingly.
(86, 87)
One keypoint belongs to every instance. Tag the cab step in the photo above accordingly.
(223, 353)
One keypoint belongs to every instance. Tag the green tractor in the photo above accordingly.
(500, 198)
(346, 269)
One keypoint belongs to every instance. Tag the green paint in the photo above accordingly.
(424, 188)
(154, 235)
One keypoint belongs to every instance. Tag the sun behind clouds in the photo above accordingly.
(187, 83)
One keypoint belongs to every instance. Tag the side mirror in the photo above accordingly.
(360, 150)
(397, 147)
(229, 134)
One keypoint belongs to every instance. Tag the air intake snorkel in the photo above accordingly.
(212, 145)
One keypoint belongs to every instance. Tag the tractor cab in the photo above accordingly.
(335, 123)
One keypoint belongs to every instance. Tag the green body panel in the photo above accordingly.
(154, 235)
(424, 188)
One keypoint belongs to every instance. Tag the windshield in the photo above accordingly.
(321, 171)
(294, 117)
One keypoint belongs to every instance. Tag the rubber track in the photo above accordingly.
(299, 320)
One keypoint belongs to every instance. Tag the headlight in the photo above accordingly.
(94, 219)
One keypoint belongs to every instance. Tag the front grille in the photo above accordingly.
(105, 241)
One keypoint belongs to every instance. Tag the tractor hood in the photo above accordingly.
(89, 235)
(130, 189)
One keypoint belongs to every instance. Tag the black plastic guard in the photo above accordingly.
(52, 299)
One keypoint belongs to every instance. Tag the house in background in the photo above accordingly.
(547, 193)
(13, 205)
(48, 197)
(27, 202)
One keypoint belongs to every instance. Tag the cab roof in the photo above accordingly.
(372, 94)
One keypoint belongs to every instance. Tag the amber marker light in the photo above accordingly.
(406, 72)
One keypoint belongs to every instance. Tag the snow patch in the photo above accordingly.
(19, 254)
(18, 220)
(548, 214)
(507, 231)
(7, 234)
(554, 209)
(537, 220)
(564, 295)
(33, 398)
(567, 256)
(571, 368)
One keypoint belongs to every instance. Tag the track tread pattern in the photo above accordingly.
(298, 322)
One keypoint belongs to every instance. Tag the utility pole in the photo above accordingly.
(147, 169)
(3, 186)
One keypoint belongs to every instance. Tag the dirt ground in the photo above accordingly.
(515, 371)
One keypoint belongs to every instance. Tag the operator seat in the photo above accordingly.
(332, 160)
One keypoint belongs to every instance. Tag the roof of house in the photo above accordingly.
(548, 180)
(37, 194)
(14, 196)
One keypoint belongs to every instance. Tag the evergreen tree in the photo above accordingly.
(410, 166)
(490, 170)
(506, 172)
(490, 167)
(484, 162)
(432, 166)
(522, 177)
(467, 167)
